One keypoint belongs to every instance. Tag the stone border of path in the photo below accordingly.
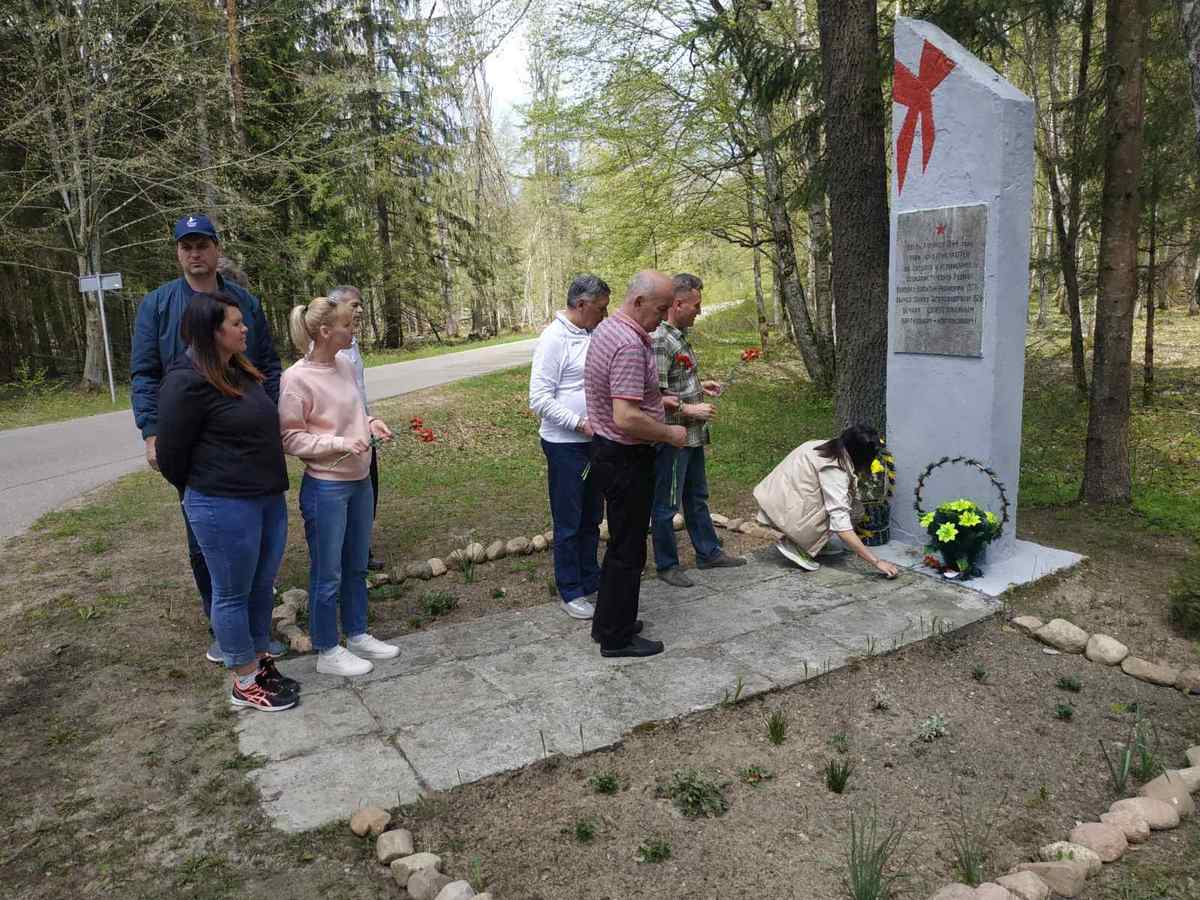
(1066, 865)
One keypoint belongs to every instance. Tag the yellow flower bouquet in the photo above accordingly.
(959, 530)
(875, 490)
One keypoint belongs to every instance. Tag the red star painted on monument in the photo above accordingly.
(941, 230)
(916, 93)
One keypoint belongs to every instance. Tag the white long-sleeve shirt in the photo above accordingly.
(556, 381)
(353, 356)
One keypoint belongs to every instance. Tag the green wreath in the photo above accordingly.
(960, 529)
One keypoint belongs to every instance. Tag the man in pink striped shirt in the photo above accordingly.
(625, 410)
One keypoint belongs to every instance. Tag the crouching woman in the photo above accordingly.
(812, 496)
(218, 442)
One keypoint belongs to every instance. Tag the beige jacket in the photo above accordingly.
(809, 497)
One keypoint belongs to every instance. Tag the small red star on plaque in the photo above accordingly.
(940, 230)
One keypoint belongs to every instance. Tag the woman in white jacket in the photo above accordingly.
(556, 397)
(812, 495)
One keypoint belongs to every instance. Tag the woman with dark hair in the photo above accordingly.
(813, 495)
(218, 442)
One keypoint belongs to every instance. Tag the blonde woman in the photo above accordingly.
(323, 422)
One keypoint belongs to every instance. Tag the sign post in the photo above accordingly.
(99, 284)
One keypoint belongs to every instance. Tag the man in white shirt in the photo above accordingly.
(346, 293)
(556, 397)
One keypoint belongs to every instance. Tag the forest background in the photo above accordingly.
(357, 143)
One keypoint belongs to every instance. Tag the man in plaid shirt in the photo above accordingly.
(679, 478)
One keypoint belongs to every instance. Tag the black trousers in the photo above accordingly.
(624, 474)
(374, 483)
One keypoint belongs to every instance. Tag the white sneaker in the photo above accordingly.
(369, 648)
(579, 608)
(340, 661)
(798, 556)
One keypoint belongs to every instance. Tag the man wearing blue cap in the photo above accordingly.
(156, 342)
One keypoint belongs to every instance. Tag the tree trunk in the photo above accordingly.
(858, 205)
(1106, 472)
(819, 280)
(237, 93)
(448, 315)
(755, 253)
(818, 363)
(1189, 22)
(1151, 277)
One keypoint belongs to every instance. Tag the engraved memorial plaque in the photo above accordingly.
(939, 280)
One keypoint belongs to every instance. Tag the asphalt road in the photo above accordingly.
(44, 466)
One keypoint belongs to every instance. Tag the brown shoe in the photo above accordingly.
(675, 576)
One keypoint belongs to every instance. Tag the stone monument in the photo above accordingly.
(962, 194)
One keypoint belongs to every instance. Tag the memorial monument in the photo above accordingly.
(962, 193)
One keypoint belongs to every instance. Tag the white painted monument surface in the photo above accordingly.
(962, 194)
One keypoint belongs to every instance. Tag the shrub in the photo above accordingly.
(837, 773)
(438, 603)
(1185, 598)
(604, 783)
(654, 851)
(931, 728)
(695, 794)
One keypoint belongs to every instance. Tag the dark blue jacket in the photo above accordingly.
(156, 343)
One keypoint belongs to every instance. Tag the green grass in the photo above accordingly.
(21, 406)
(431, 347)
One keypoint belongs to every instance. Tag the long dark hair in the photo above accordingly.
(859, 442)
(198, 328)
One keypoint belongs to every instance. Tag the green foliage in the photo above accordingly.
(654, 850)
(438, 603)
(1064, 711)
(1070, 683)
(931, 728)
(585, 830)
(979, 673)
(870, 856)
(777, 727)
(970, 836)
(1184, 598)
(604, 783)
(695, 794)
(1119, 766)
(754, 775)
(837, 773)
(840, 742)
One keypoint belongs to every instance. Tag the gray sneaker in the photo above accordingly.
(675, 576)
(213, 655)
(798, 556)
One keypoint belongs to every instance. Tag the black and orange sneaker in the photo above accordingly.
(259, 697)
(273, 680)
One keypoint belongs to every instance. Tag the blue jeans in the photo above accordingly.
(337, 525)
(242, 539)
(576, 508)
(691, 490)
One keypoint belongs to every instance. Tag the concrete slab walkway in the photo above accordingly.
(469, 700)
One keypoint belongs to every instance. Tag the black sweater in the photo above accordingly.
(215, 444)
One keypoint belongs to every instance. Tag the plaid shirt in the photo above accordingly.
(670, 344)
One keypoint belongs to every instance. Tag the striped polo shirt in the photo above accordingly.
(620, 365)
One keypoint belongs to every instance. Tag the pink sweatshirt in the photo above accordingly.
(320, 414)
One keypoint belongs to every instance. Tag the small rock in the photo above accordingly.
(734, 524)
(1190, 777)
(457, 558)
(399, 575)
(406, 866)
(748, 527)
(539, 542)
(426, 884)
(1065, 878)
(989, 890)
(1159, 815)
(1027, 624)
(475, 552)
(1050, 651)
(1064, 635)
(1170, 790)
(549, 536)
(393, 845)
(954, 892)
(1135, 828)
(1104, 649)
(296, 598)
(1071, 851)
(379, 579)
(1106, 841)
(719, 520)
(1025, 886)
(457, 890)
(518, 545)
(282, 614)
(369, 820)
(1144, 670)
(1193, 755)
(437, 567)
(419, 570)
(1189, 681)
(296, 638)
(677, 521)
(495, 550)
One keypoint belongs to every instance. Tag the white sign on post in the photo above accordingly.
(98, 284)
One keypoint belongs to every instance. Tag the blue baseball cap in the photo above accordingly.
(195, 224)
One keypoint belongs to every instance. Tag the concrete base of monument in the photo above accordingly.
(1027, 564)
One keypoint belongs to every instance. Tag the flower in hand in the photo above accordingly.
(684, 360)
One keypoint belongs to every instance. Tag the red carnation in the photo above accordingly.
(427, 435)
(684, 360)
(750, 354)
(415, 423)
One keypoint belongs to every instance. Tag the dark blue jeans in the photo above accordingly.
(337, 525)
(242, 539)
(691, 492)
(576, 508)
(199, 566)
